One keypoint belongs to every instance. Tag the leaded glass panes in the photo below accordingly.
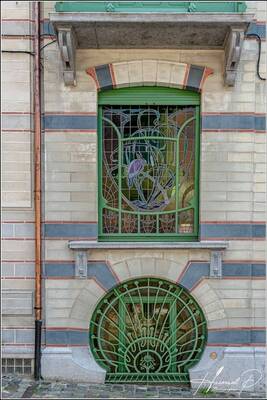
(148, 171)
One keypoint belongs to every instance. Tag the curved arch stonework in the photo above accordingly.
(203, 292)
(91, 292)
(145, 266)
(149, 73)
(80, 364)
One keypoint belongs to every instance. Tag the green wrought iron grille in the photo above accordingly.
(149, 170)
(147, 330)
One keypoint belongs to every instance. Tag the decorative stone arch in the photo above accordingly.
(149, 73)
(203, 292)
(130, 268)
(157, 267)
(210, 303)
(79, 362)
(91, 293)
(148, 266)
(85, 303)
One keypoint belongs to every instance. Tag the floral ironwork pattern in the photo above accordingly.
(147, 330)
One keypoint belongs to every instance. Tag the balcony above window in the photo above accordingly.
(149, 6)
(157, 24)
(153, 24)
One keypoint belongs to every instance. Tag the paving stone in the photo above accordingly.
(117, 388)
(16, 387)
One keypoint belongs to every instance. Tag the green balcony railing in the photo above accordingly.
(151, 6)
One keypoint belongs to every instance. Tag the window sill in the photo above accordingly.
(90, 245)
(81, 254)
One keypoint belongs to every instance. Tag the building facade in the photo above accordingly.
(153, 191)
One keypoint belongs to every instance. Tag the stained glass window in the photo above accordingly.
(148, 171)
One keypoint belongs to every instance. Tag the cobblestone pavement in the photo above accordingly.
(17, 387)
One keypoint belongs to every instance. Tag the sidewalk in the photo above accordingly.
(17, 387)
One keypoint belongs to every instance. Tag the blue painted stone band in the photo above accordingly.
(79, 337)
(215, 122)
(243, 270)
(70, 230)
(246, 230)
(191, 276)
(104, 76)
(212, 230)
(234, 122)
(47, 28)
(66, 337)
(194, 77)
(59, 121)
(237, 336)
(98, 270)
(197, 270)
(258, 29)
(194, 273)
(222, 337)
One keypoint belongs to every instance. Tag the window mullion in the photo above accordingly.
(120, 144)
(177, 185)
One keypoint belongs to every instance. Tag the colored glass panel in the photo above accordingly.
(149, 171)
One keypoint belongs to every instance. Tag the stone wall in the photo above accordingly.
(17, 180)
(232, 188)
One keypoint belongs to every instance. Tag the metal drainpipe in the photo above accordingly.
(37, 197)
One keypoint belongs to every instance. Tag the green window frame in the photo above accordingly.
(141, 169)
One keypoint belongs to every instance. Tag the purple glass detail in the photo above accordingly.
(134, 169)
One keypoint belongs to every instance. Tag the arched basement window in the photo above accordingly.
(147, 330)
(148, 164)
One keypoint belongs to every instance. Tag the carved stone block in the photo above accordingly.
(81, 264)
(67, 46)
(216, 264)
(233, 50)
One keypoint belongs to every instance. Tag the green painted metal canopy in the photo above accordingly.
(151, 6)
(150, 24)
